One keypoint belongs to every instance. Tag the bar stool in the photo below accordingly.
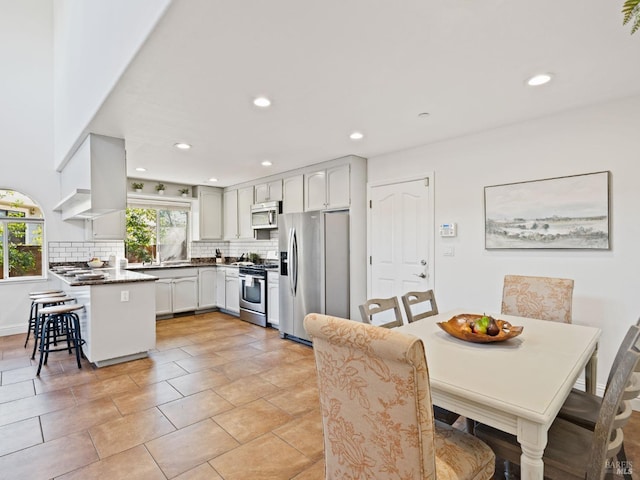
(33, 312)
(60, 322)
(40, 303)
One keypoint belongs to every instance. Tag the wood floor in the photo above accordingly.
(218, 399)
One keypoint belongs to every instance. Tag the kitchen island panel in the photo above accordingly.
(118, 322)
(121, 331)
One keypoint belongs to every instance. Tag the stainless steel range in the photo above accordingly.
(253, 294)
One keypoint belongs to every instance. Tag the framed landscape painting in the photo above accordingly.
(563, 212)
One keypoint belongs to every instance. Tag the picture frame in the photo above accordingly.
(569, 212)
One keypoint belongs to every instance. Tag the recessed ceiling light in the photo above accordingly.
(538, 80)
(423, 114)
(141, 169)
(212, 179)
(182, 146)
(261, 102)
(356, 136)
(267, 163)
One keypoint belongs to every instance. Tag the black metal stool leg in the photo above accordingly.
(77, 337)
(37, 331)
(33, 312)
(44, 333)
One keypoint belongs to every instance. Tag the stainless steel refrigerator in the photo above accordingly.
(314, 268)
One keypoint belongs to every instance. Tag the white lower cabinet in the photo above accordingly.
(185, 294)
(176, 290)
(164, 305)
(207, 294)
(220, 286)
(273, 302)
(191, 289)
(232, 291)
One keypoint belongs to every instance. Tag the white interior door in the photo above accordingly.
(400, 219)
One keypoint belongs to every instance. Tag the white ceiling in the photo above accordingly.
(335, 66)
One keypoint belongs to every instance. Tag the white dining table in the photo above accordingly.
(517, 385)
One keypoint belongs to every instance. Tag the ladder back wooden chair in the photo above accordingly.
(376, 306)
(412, 299)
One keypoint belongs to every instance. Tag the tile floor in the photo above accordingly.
(218, 399)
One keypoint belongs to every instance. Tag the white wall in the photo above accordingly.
(26, 129)
(598, 138)
(94, 43)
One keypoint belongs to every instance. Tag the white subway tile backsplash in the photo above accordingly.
(83, 251)
(234, 249)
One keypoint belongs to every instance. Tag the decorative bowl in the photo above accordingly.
(95, 263)
(459, 327)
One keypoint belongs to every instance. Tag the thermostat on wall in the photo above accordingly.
(448, 230)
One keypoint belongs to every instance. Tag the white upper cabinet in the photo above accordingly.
(237, 213)
(230, 215)
(327, 189)
(338, 187)
(210, 216)
(292, 195)
(107, 227)
(268, 192)
(245, 200)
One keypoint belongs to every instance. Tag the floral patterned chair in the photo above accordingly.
(376, 408)
(543, 298)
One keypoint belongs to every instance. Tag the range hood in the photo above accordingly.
(94, 180)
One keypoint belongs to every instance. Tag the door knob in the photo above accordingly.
(421, 275)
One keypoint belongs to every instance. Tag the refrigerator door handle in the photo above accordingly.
(290, 260)
(294, 278)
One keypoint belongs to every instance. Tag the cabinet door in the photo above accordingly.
(220, 287)
(261, 192)
(315, 186)
(185, 294)
(245, 200)
(273, 302)
(207, 287)
(107, 227)
(163, 296)
(210, 214)
(292, 194)
(338, 187)
(268, 192)
(230, 215)
(232, 294)
(275, 191)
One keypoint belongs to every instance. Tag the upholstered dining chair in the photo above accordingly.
(575, 452)
(544, 298)
(426, 302)
(375, 306)
(375, 402)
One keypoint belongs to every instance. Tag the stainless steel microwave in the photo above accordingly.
(265, 215)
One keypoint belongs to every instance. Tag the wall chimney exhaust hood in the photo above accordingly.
(94, 180)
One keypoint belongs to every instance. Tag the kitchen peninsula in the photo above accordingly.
(118, 322)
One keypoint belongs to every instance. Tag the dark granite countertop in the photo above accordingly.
(112, 275)
(140, 267)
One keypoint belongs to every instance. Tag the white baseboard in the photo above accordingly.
(13, 330)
